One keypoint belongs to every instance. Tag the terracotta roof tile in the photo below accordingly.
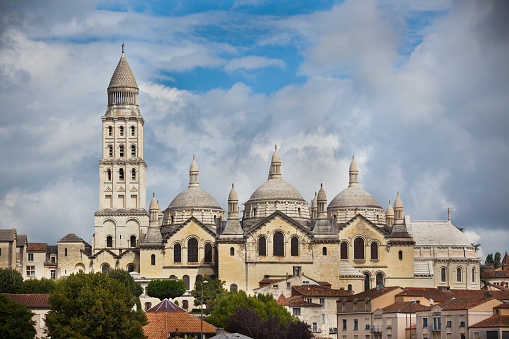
(463, 304)
(405, 308)
(31, 301)
(502, 306)
(473, 294)
(298, 301)
(264, 282)
(161, 323)
(372, 293)
(428, 293)
(495, 274)
(319, 291)
(494, 321)
(37, 245)
(282, 300)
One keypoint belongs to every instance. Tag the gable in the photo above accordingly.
(191, 228)
(359, 225)
(278, 221)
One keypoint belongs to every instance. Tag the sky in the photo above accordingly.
(417, 90)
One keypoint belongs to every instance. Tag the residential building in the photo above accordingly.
(38, 304)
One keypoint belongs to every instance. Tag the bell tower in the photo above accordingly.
(122, 216)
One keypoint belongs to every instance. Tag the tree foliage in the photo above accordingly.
(15, 320)
(43, 285)
(123, 277)
(211, 292)
(497, 259)
(489, 258)
(93, 306)
(167, 288)
(10, 281)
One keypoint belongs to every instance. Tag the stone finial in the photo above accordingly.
(122, 47)
(449, 214)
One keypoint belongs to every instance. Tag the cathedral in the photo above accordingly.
(350, 242)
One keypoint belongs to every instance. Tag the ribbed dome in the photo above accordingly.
(123, 76)
(233, 194)
(194, 197)
(353, 197)
(275, 189)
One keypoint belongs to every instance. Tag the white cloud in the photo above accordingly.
(253, 62)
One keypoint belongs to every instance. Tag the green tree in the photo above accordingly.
(15, 320)
(497, 259)
(489, 258)
(10, 281)
(212, 290)
(93, 306)
(123, 277)
(166, 288)
(43, 285)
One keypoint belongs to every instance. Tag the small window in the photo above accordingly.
(121, 174)
(133, 241)
(65, 251)
(133, 151)
(108, 174)
(208, 253)
(199, 278)
(232, 251)
(109, 241)
(374, 251)
(296, 311)
(153, 259)
(424, 322)
(185, 304)
(323, 319)
(355, 324)
(132, 131)
(458, 274)
(233, 287)
(110, 131)
(358, 248)
(400, 255)
(121, 151)
(148, 305)
(379, 279)
(133, 175)
(186, 281)
(262, 246)
(173, 277)
(105, 268)
(344, 324)
(322, 302)
(350, 287)
(177, 253)
(130, 268)
(192, 250)
(110, 151)
(53, 274)
(30, 271)
(473, 275)
(30, 257)
(278, 248)
(121, 131)
(294, 247)
(443, 274)
(324, 250)
(344, 250)
(315, 327)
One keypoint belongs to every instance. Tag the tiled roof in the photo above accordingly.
(71, 237)
(231, 336)
(298, 301)
(405, 308)
(318, 290)
(428, 293)
(372, 293)
(495, 274)
(21, 240)
(472, 294)
(505, 261)
(502, 306)
(282, 300)
(161, 323)
(494, 321)
(325, 283)
(264, 282)
(463, 304)
(37, 245)
(166, 306)
(123, 76)
(7, 235)
(31, 301)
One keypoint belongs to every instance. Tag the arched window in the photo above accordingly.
(177, 250)
(208, 253)
(153, 259)
(324, 250)
(374, 251)
(262, 246)
(279, 245)
(121, 151)
(366, 281)
(173, 277)
(232, 251)
(132, 131)
(254, 212)
(400, 255)
(458, 274)
(121, 174)
(473, 275)
(133, 151)
(121, 130)
(192, 250)
(199, 278)
(172, 219)
(105, 267)
(109, 241)
(379, 278)
(443, 274)
(133, 241)
(110, 131)
(212, 277)
(130, 268)
(133, 174)
(110, 151)
(349, 287)
(108, 174)
(186, 281)
(294, 247)
(358, 249)
(344, 250)
(185, 304)
(233, 287)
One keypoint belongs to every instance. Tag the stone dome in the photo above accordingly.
(276, 189)
(390, 210)
(154, 205)
(233, 194)
(354, 197)
(123, 76)
(321, 194)
(194, 197)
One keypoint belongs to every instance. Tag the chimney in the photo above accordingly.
(219, 330)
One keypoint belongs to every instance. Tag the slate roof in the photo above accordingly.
(428, 293)
(37, 246)
(463, 304)
(21, 240)
(372, 293)
(161, 323)
(31, 301)
(318, 291)
(7, 234)
(405, 308)
(71, 237)
(494, 321)
(166, 306)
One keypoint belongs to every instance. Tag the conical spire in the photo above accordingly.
(389, 215)
(275, 165)
(123, 76)
(322, 203)
(314, 207)
(194, 174)
(153, 232)
(233, 204)
(398, 209)
(353, 173)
